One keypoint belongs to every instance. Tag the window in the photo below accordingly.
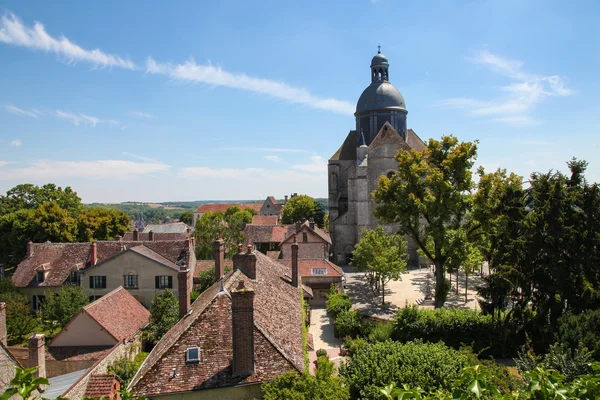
(38, 301)
(272, 246)
(94, 298)
(192, 355)
(97, 282)
(130, 281)
(163, 282)
(74, 277)
(304, 237)
(39, 276)
(319, 271)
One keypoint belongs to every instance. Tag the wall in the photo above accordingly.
(29, 292)
(83, 330)
(53, 367)
(130, 262)
(315, 247)
(246, 392)
(7, 369)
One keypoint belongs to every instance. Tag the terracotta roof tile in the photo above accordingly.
(318, 231)
(277, 336)
(265, 220)
(224, 206)
(70, 354)
(158, 236)
(273, 254)
(119, 313)
(101, 386)
(306, 266)
(266, 233)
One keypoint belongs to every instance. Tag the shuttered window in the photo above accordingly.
(163, 282)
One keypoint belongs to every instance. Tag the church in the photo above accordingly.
(366, 154)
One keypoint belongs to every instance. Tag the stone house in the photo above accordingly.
(271, 207)
(318, 275)
(312, 241)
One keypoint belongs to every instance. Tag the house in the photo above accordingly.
(105, 322)
(266, 237)
(145, 269)
(222, 207)
(244, 330)
(265, 220)
(318, 275)
(271, 207)
(174, 227)
(151, 236)
(7, 361)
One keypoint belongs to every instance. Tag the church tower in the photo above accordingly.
(366, 154)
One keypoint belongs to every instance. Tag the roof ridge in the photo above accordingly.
(97, 301)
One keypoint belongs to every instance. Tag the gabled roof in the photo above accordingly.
(388, 135)
(101, 386)
(265, 220)
(266, 233)
(306, 225)
(118, 313)
(224, 206)
(277, 332)
(152, 255)
(273, 200)
(175, 227)
(347, 150)
(62, 258)
(306, 266)
(414, 141)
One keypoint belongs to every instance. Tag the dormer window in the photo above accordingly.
(192, 355)
(74, 277)
(39, 277)
(304, 237)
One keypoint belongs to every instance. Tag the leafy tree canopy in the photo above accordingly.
(63, 305)
(302, 207)
(164, 313)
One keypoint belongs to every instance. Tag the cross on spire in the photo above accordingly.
(378, 49)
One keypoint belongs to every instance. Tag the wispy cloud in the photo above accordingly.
(102, 169)
(211, 75)
(317, 164)
(140, 114)
(273, 158)
(14, 32)
(16, 143)
(265, 149)
(517, 99)
(19, 111)
(140, 157)
(83, 119)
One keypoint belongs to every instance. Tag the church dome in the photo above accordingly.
(379, 59)
(380, 95)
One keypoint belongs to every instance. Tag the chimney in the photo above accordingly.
(94, 255)
(3, 323)
(311, 224)
(151, 236)
(298, 225)
(29, 249)
(246, 262)
(118, 238)
(285, 198)
(219, 254)
(295, 262)
(242, 327)
(136, 235)
(37, 354)
(183, 283)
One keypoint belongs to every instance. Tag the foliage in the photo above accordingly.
(337, 303)
(381, 332)
(125, 368)
(428, 196)
(101, 224)
(321, 352)
(30, 197)
(300, 208)
(187, 217)
(428, 366)
(570, 362)
(582, 329)
(385, 256)
(347, 323)
(24, 384)
(228, 226)
(63, 305)
(164, 313)
(355, 344)
(19, 320)
(207, 278)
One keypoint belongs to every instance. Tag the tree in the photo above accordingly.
(429, 195)
(28, 196)
(19, 320)
(63, 305)
(300, 208)
(382, 254)
(207, 278)
(101, 224)
(164, 313)
(208, 227)
(187, 217)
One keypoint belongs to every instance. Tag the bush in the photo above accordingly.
(322, 353)
(338, 303)
(583, 329)
(346, 324)
(431, 367)
(355, 345)
(381, 332)
(125, 368)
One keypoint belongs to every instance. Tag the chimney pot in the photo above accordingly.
(242, 324)
(3, 334)
(94, 255)
(29, 249)
(118, 238)
(240, 248)
(249, 249)
(183, 290)
(219, 256)
(295, 277)
(37, 355)
(246, 262)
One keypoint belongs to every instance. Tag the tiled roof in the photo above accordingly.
(62, 258)
(306, 266)
(70, 354)
(6, 357)
(175, 227)
(151, 254)
(266, 233)
(119, 313)
(277, 336)
(273, 200)
(101, 386)
(158, 236)
(224, 206)
(203, 265)
(265, 220)
(273, 254)
(318, 231)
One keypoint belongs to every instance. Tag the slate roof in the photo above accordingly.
(158, 236)
(59, 259)
(175, 227)
(203, 265)
(306, 265)
(101, 386)
(119, 313)
(277, 335)
(265, 220)
(59, 384)
(224, 206)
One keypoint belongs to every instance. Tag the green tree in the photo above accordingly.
(429, 195)
(125, 368)
(385, 256)
(208, 227)
(207, 278)
(63, 305)
(20, 321)
(187, 217)
(300, 208)
(164, 313)
(28, 196)
(101, 224)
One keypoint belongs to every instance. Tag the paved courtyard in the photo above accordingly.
(321, 329)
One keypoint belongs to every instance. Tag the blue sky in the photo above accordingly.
(159, 101)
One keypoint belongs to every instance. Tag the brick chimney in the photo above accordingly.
(295, 263)
(94, 254)
(118, 238)
(242, 327)
(136, 235)
(151, 236)
(183, 283)
(219, 254)
(37, 354)
(246, 262)
(29, 249)
(3, 334)
(285, 198)
(311, 224)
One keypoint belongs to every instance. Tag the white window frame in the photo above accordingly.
(197, 359)
(318, 271)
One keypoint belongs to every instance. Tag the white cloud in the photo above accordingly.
(15, 143)
(102, 169)
(209, 74)
(3, 163)
(273, 158)
(84, 119)
(14, 32)
(139, 157)
(140, 114)
(518, 98)
(318, 164)
(265, 149)
(25, 113)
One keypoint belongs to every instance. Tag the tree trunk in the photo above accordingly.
(439, 284)
(466, 284)
(457, 271)
(382, 293)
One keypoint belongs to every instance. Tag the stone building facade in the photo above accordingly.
(366, 154)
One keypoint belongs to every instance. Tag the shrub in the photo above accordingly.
(125, 368)
(581, 329)
(381, 332)
(322, 352)
(338, 303)
(355, 345)
(346, 324)
(429, 366)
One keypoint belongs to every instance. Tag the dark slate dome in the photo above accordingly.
(379, 59)
(380, 95)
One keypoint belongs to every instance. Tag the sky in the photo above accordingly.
(181, 101)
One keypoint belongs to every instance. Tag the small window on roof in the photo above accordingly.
(192, 355)
(40, 276)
